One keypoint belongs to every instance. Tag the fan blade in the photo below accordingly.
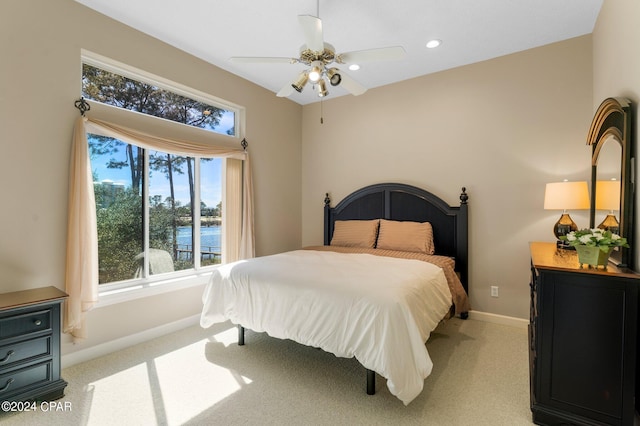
(312, 29)
(285, 91)
(351, 85)
(369, 55)
(262, 60)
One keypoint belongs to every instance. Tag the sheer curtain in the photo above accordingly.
(82, 235)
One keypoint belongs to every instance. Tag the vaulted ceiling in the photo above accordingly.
(470, 31)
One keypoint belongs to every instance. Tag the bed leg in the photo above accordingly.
(240, 335)
(371, 382)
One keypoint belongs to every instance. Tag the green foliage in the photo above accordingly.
(119, 237)
(161, 221)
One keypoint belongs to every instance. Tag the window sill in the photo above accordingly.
(112, 296)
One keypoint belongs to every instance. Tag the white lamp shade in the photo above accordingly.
(566, 196)
(608, 195)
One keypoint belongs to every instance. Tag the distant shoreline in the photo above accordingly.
(208, 221)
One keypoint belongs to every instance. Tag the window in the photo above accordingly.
(167, 217)
(157, 213)
(131, 94)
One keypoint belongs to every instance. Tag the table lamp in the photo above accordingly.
(566, 196)
(608, 198)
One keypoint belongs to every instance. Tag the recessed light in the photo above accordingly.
(434, 43)
(354, 67)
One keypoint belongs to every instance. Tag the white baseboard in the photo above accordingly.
(499, 319)
(115, 345)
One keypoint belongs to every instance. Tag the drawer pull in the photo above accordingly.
(6, 358)
(7, 385)
(37, 322)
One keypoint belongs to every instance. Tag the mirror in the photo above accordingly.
(608, 188)
(611, 162)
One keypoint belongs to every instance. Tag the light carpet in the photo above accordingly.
(202, 377)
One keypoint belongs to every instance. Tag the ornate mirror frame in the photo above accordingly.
(612, 121)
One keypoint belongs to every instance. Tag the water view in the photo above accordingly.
(210, 241)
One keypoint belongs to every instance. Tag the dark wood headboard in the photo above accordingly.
(396, 201)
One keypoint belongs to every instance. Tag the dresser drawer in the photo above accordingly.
(19, 380)
(28, 350)
(25, 324)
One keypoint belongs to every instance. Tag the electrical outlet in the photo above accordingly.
(494, 291)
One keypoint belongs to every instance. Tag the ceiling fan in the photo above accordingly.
(319, 57)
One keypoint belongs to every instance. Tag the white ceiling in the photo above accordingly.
(470, 30)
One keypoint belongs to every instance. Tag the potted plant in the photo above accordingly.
(594, 245)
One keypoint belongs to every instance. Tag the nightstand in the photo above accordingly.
(30, 345)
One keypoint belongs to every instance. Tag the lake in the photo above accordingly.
(210, 236)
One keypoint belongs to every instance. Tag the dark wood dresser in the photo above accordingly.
(583, 341)
(30, 345)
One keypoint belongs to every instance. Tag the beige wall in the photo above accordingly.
(40, 43)
(502, 128)
(616, 65)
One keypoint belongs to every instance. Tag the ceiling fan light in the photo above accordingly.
(316, 71)
(322, 89)
(300, 82)
(334, 77)
(314, 75)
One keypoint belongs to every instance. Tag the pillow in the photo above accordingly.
(406, 236)
(355, 233)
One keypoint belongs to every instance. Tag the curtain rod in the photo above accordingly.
(84, 106)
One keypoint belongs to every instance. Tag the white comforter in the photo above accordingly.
(379, 310)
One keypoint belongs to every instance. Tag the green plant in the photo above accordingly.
(595, 238)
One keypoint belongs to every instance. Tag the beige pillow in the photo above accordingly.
(406, 236)
(355, 233)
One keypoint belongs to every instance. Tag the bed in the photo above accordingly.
(393, 265)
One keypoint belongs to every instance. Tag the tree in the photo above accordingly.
(169, 164)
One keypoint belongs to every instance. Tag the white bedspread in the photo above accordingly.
(379, 310)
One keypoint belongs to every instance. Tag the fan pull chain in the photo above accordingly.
(321, 113)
